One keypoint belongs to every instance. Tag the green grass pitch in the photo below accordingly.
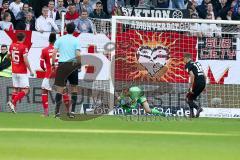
(31, 137)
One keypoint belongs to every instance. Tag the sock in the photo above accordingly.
(14, 95)
(66, 101)
(58, 100)
(192, 105)
(18, 97)
(74, 101)
(45, 103)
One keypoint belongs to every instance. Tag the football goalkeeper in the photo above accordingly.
(132, 98)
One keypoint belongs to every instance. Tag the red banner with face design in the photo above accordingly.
(153, 56)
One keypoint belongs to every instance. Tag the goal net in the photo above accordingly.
(149, 53)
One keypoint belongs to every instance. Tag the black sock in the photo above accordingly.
(58, 100)
(193, 105)
(74, 101)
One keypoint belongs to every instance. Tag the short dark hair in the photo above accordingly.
(21, 36)
(4, 45)
(45, 7)
(84, 10)
(51, 1)
(52, 38)
(70, 28)
(26, 4)
(99, 2)
(194, 14)
(72, 4)
(5, 1)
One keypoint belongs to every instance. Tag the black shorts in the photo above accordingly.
(198, 87)
(67, 71)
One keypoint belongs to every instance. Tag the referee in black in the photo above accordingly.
(197, 83)
(69, 51)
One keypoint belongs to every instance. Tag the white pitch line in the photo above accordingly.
(113, 131)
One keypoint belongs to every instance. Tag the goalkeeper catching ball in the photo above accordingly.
(132, 98)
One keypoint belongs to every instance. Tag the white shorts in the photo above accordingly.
(46, 84)
(20, 80)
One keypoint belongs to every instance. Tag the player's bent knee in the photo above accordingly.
(189, 97)
(26, 90)
(44, 91)
(61, 90)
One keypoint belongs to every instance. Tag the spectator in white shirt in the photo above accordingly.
(16, 7)
(6, 24)
(44, 23)
(52, 13)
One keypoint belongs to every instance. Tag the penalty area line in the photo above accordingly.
(103, 131)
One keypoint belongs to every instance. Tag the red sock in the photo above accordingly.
(66, 101)
(45, 101)
(14, 95)
(18, 97)
(65, 97)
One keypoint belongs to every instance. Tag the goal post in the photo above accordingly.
(149, 53)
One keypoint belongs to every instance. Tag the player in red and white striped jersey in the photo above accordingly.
(45, 64)
(18, 54)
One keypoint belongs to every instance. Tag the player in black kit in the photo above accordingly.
(197, 83)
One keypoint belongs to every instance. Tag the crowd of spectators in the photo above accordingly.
(45, 15)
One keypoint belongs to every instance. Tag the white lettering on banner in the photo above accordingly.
(146, 12)
(141, 12)
(219, 66)
(207, 112)
(159, 26)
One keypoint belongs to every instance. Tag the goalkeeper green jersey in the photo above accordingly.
(135, 97)
(137, 94)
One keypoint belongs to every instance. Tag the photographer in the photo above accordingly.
(5, 63)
